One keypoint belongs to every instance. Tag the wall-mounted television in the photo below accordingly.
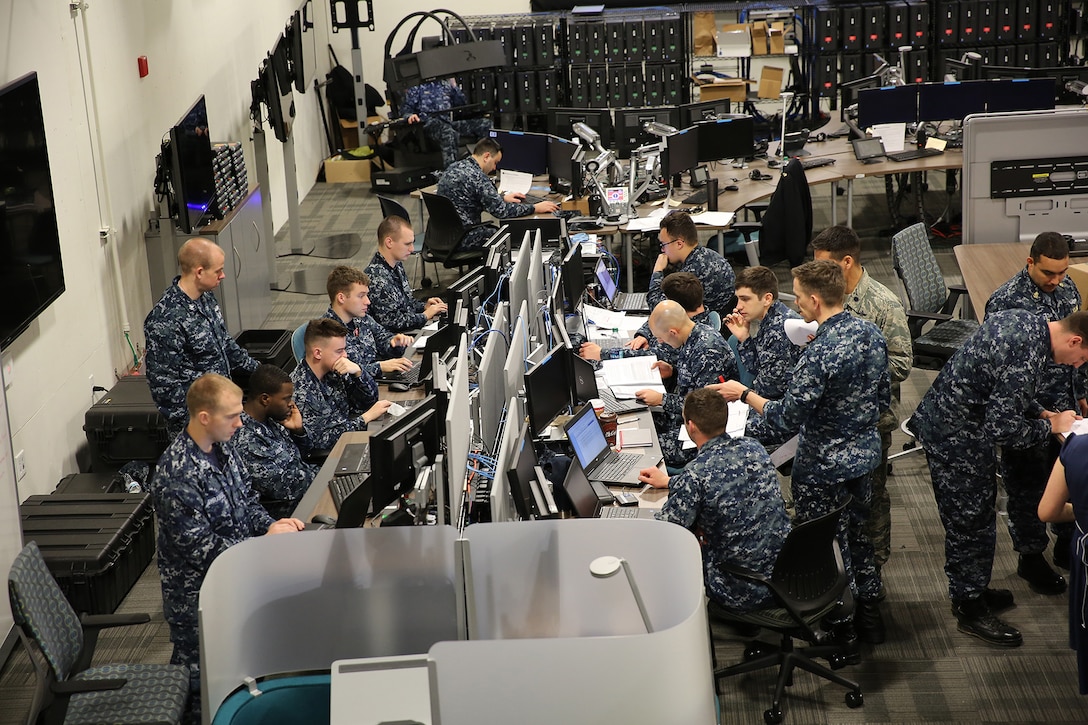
(31, 274)
(192, 176)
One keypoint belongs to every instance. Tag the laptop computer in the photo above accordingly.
(583, 388)
(592, 502)
(625, 301)
(354, 459)
(600, 462)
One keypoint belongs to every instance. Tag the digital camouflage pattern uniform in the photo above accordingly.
(770, 357)
(472, 193)
(368, 342)
(186, 339)
(712, 269)
(333, 405)
(432, 101)
(983, 396)
(833, 403)
(271, 457)
(391, 302)
(729, 494)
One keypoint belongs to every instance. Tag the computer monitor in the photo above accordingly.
(726, 138)
(525, 487)
(441, 342)
(693, 113)
(951, 101)
(547, 393)
(1060, 75)
(536, 285)
(458, 437)
(522, 151)
(492, 381)
(519, 277)
(681, 152)
(564, 173)
(399, 449)
(514, 368)
(502, 508)
(573, 279)
(1021, 94)
(468, 292)
(605, 279)
(630, 126)
(553, 229)
(890, 104)
(560, 121)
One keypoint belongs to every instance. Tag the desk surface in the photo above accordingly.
(985, 267)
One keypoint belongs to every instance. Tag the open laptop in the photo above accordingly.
(625, 301)
(600, 462)
(583, 388)
(589, 502)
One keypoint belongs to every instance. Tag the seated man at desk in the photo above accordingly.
(203, 505)
(430, 103)
(681, 252)
(729, 495)
(370, 346)
(334, 394)
(703, 357)
(391, 302)
(467, 185)
(273, 440)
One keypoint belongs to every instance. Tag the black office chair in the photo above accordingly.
(444, 233)
(783, 225)
(808, 583)
(930, 300)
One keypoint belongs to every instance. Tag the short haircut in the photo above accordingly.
(823, 278)
(840, 241)
(390, 226)
(684, 288)
(197, 252)
(708, 410)
(1051, 245)
(487, 145)
(267, 380)
(678, 224)
(206, 393)
(1077, 324)
(322, 329)
(342, 278)
(760, 280)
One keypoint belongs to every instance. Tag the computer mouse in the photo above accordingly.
(732, 187)
(399, 387)
(323, 520)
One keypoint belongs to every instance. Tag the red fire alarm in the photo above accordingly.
(141, 62)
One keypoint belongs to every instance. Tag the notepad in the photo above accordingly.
(633, 438)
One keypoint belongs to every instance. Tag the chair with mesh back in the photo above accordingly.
(808, 583)
(444, 234)
(930, 300)
(61, 646)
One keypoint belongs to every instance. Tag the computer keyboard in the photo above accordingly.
(815, 162)
(408, 377)
(619, 512)
(618, 466)
(529, 199)
(911, 154)
(340, 487)
(697, 197)
(608, 343)
(631, 302)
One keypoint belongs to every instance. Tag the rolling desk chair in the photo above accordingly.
(444, 233)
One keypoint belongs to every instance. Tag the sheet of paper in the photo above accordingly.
(1080, 427)
(602, 318)
(738, 418)
(627, 392)
(893, 135)
(515, 182)
(685, 439)
(714, 218)
(631, 371)
(643, 224)
(798, 331)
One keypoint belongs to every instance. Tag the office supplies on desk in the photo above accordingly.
(593, 454)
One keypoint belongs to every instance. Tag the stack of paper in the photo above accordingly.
(628, 375)
(515, 182)
(609, 323)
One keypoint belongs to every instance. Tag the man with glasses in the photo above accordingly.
(680, 252)
(391, 302)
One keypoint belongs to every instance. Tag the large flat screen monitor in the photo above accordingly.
(547, 393)
(564, 174)
(560, 121)
(726, 138)
(192, 174)
(522, 151)
(891, 104)
(1021, 94)
(951, 101)
(631, 122)
(398, 449)
(693, 113)
(681, 152)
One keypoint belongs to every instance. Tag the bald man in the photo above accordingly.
(186, 335)
(703, 357)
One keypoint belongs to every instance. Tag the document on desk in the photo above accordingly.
(714, 218)
(628, 375)
(893, 135)
(515, 182)
(1080, 427)
(611, 324)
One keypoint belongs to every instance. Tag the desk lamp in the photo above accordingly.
(787, 96)
(605, 567)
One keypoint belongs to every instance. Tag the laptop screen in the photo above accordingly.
(605, 278)
(580, 492)
(586, 436)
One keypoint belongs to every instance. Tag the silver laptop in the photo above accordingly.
(599, 461)
(587, 500)
(625, 301)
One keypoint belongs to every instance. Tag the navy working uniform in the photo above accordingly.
(705, 358)
(391, 302)
(770, 356)
(432, 102)
(1025, 471)
(704, 497)
(271, 457)
(204, 506)
(719, 281)
(834, 400)
(185, 339)
(472, 193)
(984, 395)
(368, 342)
(333, 405)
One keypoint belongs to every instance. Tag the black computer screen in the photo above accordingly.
(394, 449)
(521, 476)
(547, 393)
(693, 113)
(681, 152)
(891, 104)
(727, 138)
(561, 166)
(522, 151)
(574, 279)
(951, 101)
(560, 121)
(630, 133)
(1021, 94)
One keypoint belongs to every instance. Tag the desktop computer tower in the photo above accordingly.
(673, 87)
(635, 33)
(827, 76)
(672, 40)
(617, 85)
(527, 94)
(1025, 56)
(917, 66)
(506, 89)
(919, 23)
(1047, 55)
(483, 89)
(898, 24)
(968, 21)
(873, 27)
(524, 46)
(827, 26)
(1005, 55)
(1005, 20)
(579, 86)
(1025, 20)
(986, 19)
(852, 67)
(544, 44)
(652, 40)
(654, 87)
(947, 24)
(598, 87)
(548, 89)
(851, 27)
(1047, 19)
(506, 35)
(615, 41)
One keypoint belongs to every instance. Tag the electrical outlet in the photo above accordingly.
(20, 466)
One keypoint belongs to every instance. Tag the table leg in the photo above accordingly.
(834, 203)
(628, 241)
(850, 203)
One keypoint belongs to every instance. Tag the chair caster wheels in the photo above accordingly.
(426, 283)
(854, 699)
(836, 662)
(772, 716)
(753, 651)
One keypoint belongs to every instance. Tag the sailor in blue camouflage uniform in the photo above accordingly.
(767, 355)
(702, 357)
(1044, 288)
(272, 442)
(186, 335)
(430, 103)
(985, 396)
(391, 302)
(370, 346)
(729, 496)
(333, 394)
(833, 402)
(467, 185)
(678, 240)
(203, 505)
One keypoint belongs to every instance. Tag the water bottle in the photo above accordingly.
(131, 484)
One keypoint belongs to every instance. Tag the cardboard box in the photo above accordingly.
(770, 82)
(759, 38)
(343, 171)
(776, 34)
(1079, 274)
(733, 89)
(734, 40)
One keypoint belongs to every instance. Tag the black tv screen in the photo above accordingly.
(31, 274)
(192, 175)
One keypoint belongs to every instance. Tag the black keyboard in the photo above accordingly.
(815, 162)
(911, 154)
(612, 404)
(698, 197)
(408, 377)
(340, 487)
(529, 199)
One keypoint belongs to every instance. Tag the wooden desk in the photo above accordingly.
(985, 267)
